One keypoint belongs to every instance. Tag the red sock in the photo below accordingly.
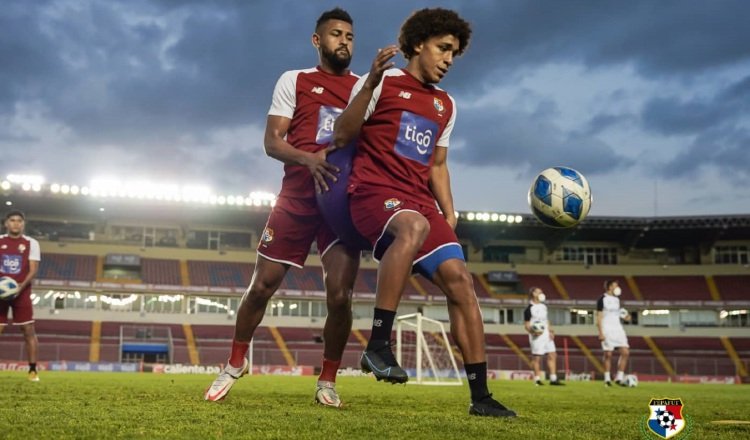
(329, 370)
(239, 351)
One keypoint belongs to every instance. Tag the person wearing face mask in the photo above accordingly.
(542, 341)
(611, 332)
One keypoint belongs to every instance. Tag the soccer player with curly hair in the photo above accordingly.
(403, 123)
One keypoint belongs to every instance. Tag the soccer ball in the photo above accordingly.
(538, 327)
(560, 197)
(624, 313)
(631, 381)
(8, 288)
(665, 418)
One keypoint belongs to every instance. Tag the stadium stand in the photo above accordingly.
(160, 271)
(544, 282)
(219, 274)
(592, 286)
(309, 278)
(733, 287)
(696, 356)
(690, 288)
(67, 267)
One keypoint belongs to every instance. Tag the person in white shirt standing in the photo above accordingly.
(611, 332)
(541, 336)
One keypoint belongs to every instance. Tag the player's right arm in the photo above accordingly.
(277, 147)
(527, 320)
(349, 123)
(599, 316)
(283, 105)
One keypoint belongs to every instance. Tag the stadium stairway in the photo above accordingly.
(589, 355)
(659, 355)
(732, 353)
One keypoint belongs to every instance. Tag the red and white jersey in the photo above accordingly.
(15, 254)
(404, 122)
(312, 99)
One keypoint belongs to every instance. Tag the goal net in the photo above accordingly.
(423, 350)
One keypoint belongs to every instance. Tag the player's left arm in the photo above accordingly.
(440, 185)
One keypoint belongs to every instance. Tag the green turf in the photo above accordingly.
(124, 405)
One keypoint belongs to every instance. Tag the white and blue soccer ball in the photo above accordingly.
(624, 313)
(538, 327)
(631, 381)
(560, 197)
(8, 288)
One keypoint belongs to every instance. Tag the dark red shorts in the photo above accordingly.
(23, 310)
(372, 208)
(291, 229)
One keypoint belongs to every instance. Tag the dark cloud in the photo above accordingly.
(725, 149)
(147, 84)
(524, 141)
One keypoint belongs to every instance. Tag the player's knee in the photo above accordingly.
(339, 298)
(415, 233)
(460, 286)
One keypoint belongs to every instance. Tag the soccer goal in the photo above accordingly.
(423, 350)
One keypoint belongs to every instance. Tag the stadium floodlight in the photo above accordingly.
(8, 203)
(511, 219)
(26, 186)
(65, 189)
(74, 189)
(494, 216)
(31, 179)
(470, 216)
(502, 217)
(519, 219)
(85, 190)
(230, 200)
(5, 185)
(55, 188)
(36, 187)
(221, 200)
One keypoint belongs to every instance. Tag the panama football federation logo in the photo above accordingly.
(391, 204)
(438, 103)
(267, 235)
(21, 247)
(666, 419)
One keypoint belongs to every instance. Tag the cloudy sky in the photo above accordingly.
(649, 99)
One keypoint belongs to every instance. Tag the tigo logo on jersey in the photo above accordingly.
(391, 204)
(416, 138)
(267, 235)
(666, 419)
(438, 103)
(318, 90)
(11, 264)
(326, 118)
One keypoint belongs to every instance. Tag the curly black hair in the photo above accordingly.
(334, 14)
(436, 22)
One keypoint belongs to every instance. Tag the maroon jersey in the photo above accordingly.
(404, 122)
(312, 99)
(15, 254)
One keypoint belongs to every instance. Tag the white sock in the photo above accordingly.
(607, 377)
(553, 377)
(620, 376)
(536, 379)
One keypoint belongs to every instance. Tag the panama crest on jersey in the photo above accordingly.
(666, 419)
(438, 103)
(267, 235)
(391, 204)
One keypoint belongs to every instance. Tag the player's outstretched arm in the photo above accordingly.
(350, 121)
(277, 147)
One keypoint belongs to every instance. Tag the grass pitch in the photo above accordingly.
(147, 406)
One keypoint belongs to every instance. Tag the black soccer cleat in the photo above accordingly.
(556, 382)
(381, 362)
(621, 383)
(607, 383)
(538, 383)
(489, 407)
